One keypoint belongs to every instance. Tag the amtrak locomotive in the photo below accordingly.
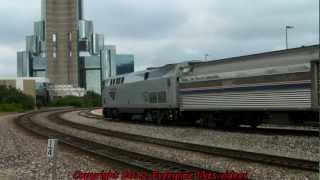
(227, 92)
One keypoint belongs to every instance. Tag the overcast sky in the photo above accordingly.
(158, 32)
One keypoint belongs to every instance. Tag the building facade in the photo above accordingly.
(65, 49)
(62, 45)
(125, 63)
(32, 86)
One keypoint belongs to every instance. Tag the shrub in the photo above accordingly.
(11, 107)
(12, 99)
(67, 101)
(91, 99)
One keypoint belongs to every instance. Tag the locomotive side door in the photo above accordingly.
(315, 70)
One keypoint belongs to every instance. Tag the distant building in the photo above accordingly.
(116, 64)
(64, 90)
(108, 60)
(65, 49)
(23, 64)
(91, 72)
(125, 63)
(30, 86)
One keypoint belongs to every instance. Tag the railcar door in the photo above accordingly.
(315, 70)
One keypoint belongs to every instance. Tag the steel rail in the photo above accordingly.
(132, 159)
(218, 151)
(258, 130)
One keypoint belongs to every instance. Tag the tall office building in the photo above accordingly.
(65, 49)
(61, 20)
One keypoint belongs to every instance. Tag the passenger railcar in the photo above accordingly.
(229, 92)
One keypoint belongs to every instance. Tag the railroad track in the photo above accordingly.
(258, 130)
(230, 153)
(133, 160)
(88, 114)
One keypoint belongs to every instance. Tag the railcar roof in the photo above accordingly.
(312, 48)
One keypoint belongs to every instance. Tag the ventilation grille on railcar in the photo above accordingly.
(316, 83)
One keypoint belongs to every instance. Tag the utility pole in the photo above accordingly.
(206, 57)
(288, 27)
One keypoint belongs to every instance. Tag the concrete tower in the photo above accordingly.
(61, 20)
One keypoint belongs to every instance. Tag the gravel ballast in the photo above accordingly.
(255, 170)
(288, 146)
(23, 155)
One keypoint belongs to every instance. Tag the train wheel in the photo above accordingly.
(159, 121)
(163, 117)
(254, 124)
(210, 121)
(105, 113)
(212, 124)
(230, 121)
(114, 114)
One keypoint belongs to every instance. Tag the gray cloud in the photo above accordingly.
(135, 20)
(267, 20)
(16, 20)
(166, 31)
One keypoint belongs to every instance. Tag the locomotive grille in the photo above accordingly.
(318, 85)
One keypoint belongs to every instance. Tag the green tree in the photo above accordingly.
(12, 99)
